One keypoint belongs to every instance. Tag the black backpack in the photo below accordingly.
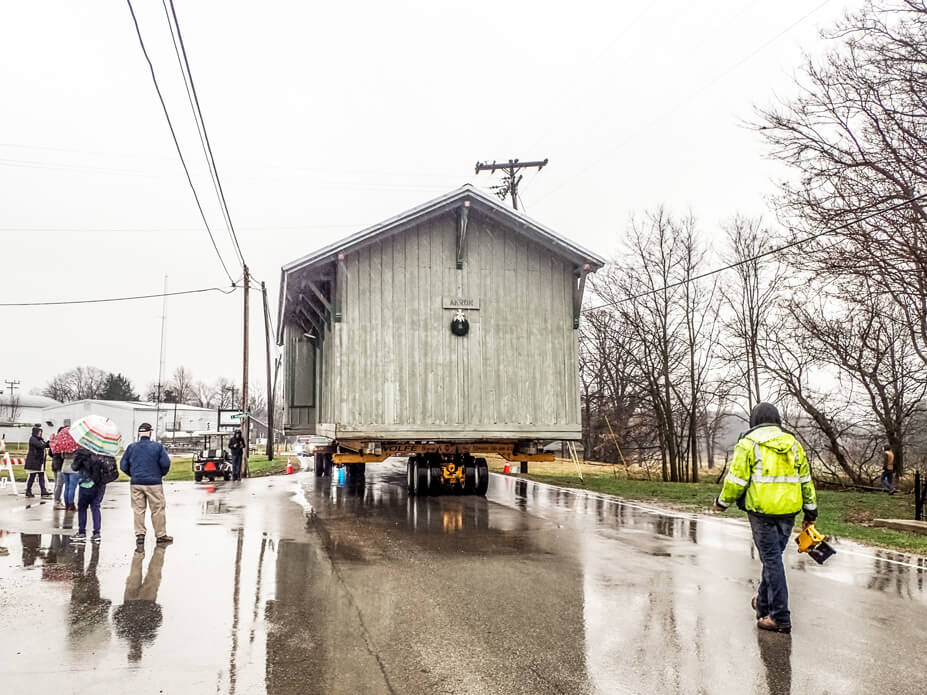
(109, 471)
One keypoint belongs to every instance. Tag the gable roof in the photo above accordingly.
(479, 201)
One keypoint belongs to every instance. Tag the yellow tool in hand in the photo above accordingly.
(812, 542)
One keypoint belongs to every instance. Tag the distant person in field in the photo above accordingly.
(237, 447)
(888, 469)
(146, 462)
(35, 462)
(771, 480)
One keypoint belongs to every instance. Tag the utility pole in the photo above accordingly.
(245, 424)
(509, 185)
(161, 360)
(270, 386)
(13, 384)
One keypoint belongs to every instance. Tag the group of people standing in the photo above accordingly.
(87, 474)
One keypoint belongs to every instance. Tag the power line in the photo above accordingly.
(764, 254)
(159, 295)
(669, 112)
(170, 125)
(201, 125)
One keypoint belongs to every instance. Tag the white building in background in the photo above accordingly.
(128, 415)
(20, 413)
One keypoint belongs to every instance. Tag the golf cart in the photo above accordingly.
(212, 459)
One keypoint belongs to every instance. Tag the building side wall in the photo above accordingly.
(393, 364)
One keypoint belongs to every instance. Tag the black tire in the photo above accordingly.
(435, 486)
(420, 476)
(410, 475)
(212, 478)
(482, 477)
(469, 486)
(226, 476)
(354, 473)
(319, 465)
(198, 477)
(327, 466)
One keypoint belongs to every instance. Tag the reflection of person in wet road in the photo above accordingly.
(137, 620)
(32, 544)
(88, 610)
(770, 479)
(776, 654)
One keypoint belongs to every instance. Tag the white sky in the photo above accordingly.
(327, 117)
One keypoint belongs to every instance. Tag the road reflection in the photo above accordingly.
(776, 655)
(140, 616)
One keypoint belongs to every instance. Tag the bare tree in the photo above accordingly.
(182, 385)
(856, 137)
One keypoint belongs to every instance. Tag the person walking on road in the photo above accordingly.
(146, 462)
(90, 492)
(888, 470)
(770, 478)
(35, 462)
(237, 447)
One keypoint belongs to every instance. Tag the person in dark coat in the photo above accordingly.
(89, 493)
(237, 447)
(35, 462)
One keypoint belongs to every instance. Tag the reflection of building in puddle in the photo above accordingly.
(213, 510)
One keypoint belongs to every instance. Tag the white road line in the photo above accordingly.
(660, 511)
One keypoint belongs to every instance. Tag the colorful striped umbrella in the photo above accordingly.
(97, 433)
(63, 442)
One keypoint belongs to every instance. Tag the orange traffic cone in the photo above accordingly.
(289, 466)
(507, 468)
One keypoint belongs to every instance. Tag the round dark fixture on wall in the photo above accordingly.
(460, 326)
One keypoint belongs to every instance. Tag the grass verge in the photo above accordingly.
(844, 514)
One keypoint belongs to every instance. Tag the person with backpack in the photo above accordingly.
(771, 480)
(95, 472)
(146, 462)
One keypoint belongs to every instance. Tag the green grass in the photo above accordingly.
(844, 514)
(182, 468)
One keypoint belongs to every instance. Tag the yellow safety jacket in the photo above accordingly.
(771, 465)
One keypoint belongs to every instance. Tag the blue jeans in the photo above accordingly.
(89, 497)
(236, 466)
(70, 486)
(887, 480)
(771, 537)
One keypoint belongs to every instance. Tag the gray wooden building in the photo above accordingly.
(371, 354)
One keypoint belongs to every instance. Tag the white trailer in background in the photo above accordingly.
(442, 333)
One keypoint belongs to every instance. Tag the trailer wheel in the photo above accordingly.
(319, 465)
(212, 478)
(410, 475)
(420, 475)
(435, 486)
(469, 486)
(327, 465)
(354, 473)
(482, 477)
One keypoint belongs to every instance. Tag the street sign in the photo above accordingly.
(239, 416)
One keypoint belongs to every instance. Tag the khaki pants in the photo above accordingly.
(153, 496)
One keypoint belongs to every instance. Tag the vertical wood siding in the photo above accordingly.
(393, 361)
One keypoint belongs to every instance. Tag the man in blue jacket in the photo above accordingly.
(146, 463)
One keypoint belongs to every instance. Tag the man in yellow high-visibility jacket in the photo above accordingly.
(770, 478)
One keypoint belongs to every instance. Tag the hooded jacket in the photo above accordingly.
(771, 471)
(35, 459)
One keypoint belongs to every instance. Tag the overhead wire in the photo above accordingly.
(201, 124)
(103, 300)
(705, 86)
(170, 125)
(758, 256)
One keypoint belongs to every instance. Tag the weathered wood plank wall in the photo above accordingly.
(393, 365)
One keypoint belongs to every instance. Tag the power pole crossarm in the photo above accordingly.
(509, 185)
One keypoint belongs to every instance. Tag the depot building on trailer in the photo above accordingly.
(445, 331)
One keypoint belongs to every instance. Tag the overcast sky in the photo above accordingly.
(327, 117)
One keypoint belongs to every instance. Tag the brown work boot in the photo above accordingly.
(165, 540)
(767, 623)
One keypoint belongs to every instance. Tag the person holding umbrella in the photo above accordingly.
(98, 440)
(35, 462)
(63, 447)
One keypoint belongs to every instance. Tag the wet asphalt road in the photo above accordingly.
(302, 585)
